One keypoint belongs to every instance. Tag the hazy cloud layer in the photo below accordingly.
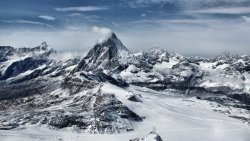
(247, 19)
(224, 10)
(190, 27)
(185, 39)
(25, 22)
(81, 9)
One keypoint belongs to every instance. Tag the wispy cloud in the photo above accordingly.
(143, 15)
(81, 9)
(165, 22)
(75, 14)
(46, 17)
(25, 22)
(73, 28)
(86, 17)
(103, 31)
(185, 4)
(247, 19)
(185, 1)
(223, 10)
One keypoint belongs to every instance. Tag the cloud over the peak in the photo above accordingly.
(103, 31)
(81, 9)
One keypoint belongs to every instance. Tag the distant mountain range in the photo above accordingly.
(61, 94)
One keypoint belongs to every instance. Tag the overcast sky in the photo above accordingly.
(189, 27)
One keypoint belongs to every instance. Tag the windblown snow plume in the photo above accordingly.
(106, 33)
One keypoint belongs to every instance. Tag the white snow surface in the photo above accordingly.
(166, 67)
(175, 118)
(213, 75)
(219, 77)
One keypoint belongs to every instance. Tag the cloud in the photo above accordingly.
(247, 19)
(143, 15)
(65, 56)
(183, 22)
(74, 28)
(81, 9)
(75, 14)
(186, 39)
(186, 1)
(223, 10)
(104, 32)
(184, 4)
(64, 40)
(25, 22)
(49, 18)
(190, 40)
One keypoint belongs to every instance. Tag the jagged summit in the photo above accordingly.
(105, 55)
(44, 45)
(224, 56)
(112, 39)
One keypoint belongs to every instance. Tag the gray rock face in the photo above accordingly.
(92, 112)
(16, 61)
(5, 51)
(38, 92)
(106, 55)
(22, 66)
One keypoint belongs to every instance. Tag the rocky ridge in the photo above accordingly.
(34, 83)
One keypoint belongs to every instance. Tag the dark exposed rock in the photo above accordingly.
(8, 126)
(62, 121)
(136, 139)
(22, 66)
(107, 78)
(108, 109)
(135, 98)
(13, 91)
(32, 75)
(94, 112)
(5, 51)
(244, 98)
(220, 89)
(74, 84)
(152, 136)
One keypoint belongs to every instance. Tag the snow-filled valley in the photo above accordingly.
(175, 118)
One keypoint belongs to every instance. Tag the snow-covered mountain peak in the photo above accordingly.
(156, 50)
(106, 55)
(153, 52)
(225, 56)
(177, 56)
(112, 41)
(44, 45)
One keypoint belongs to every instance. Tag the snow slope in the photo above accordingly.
(175, 118)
